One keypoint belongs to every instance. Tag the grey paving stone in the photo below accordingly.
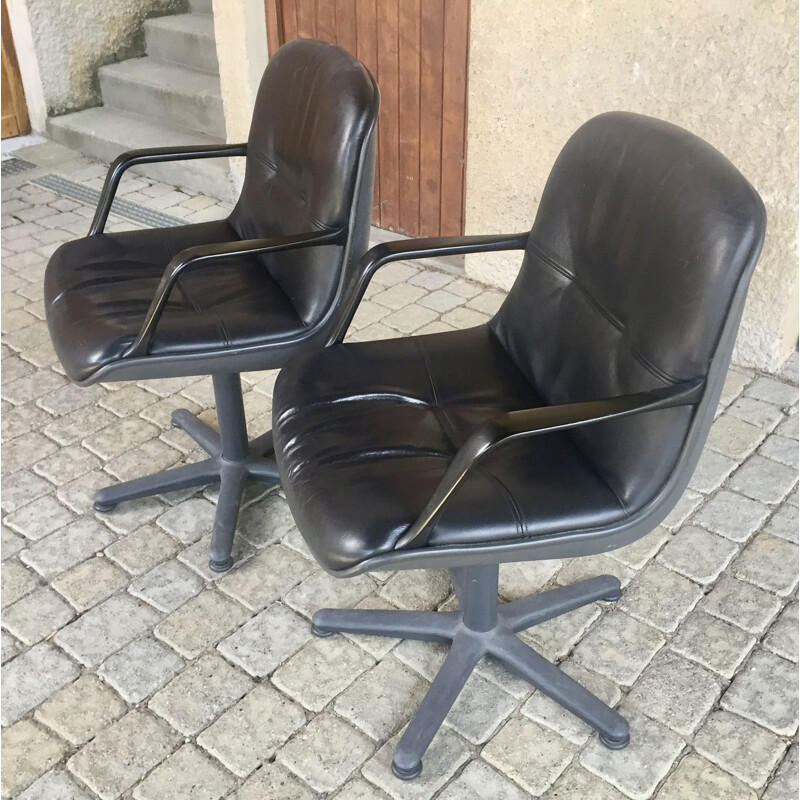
(39, 518)
(676, 692)
(790, 427)
(618, 647)
(782, 636)
(190, 520)
(140, 668)
(784, 523)
(782, 449)
(740, 747)
(140, 551)
(713, 643)
(756, 412)
(26, 450)
(28, 751)
(765, 691)
(480, 709)
(325, 752)
(576, 783)
(67, 464)
(688, 502)
(734, 437)
(637, 770)
(771, 391)
(74, 427)
(742, 604)
(479, 781)
(266, 577)
(118, 436)
(555, 638)
(545, 711)
(711, 471)
(199, 694)
(167, 586)
(382, 699)
(77, 712)
(10, 543)
(10, 647)
(106, 628)
(21, 488)
(768, 562)
(200, 623)
(529, 754)
(359, 789)
(89, 583)
(784, 785)
(417, 589)
(732, 515)
(17, 581)
(321, 670)
(697, 554)
(37, 615)
(31, 678)
(123, 753)
(521, 579)
(660, 597)
(263, 643)
(273, 782)
(62, 550)
(250, 733)
(763, 479)
(54, 785)
(266, 521)
(144, 459)
(699, 778)
(637, 554)
(187, 773)
(321, 590)
(579, 569)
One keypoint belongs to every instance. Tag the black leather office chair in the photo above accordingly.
(243, 293)
(569, 425)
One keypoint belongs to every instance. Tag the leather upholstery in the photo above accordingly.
(643, 234)
(311, 141)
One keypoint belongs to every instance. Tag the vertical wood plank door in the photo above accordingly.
(418, 51)
(14, 110)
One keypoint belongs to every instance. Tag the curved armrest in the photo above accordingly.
(532, 422)
(408, 250)
(153, 155)
(203, 254)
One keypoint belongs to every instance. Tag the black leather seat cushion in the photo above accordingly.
(98, 290)
(366, 431)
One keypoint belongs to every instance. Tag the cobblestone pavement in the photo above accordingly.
(130, 671)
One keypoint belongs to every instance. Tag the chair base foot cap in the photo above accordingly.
(98, 506)
(220, 566)
(407, 774)
(612, 598)
(615, 744)
(319, 632)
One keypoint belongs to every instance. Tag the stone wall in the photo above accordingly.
(724, 69)
(73, 38)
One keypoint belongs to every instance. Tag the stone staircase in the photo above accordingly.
(171, 96)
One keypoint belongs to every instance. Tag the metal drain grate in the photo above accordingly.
(13, 166)
(121, 208)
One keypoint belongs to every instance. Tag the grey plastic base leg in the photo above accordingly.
(232, 461)
(482, 627)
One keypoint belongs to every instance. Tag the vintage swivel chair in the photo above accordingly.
(239, 294)
(568, 425)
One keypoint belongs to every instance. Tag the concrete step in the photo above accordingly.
(184, 39)
(104, 133)
(166, 92)
(201, 6)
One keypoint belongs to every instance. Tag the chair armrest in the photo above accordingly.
(203, 254)
(153, 155)
(408, 250)
(532, 422)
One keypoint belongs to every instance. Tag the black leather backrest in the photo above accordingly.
(312, 130)
(643, 233)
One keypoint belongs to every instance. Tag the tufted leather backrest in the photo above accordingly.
(310, 164)
(643, 234)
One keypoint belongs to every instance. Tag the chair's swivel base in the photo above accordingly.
(256, 462)
(482, 627)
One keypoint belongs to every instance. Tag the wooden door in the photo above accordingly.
(14, 110)
(418, 51)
